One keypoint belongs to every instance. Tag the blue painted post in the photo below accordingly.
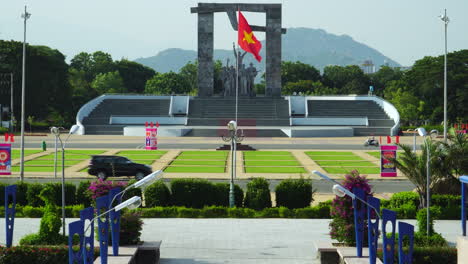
(359, 217)
(102, 205)
(388, 216)
(10, 199)
(405, 230)
(88, 249)
(115, 220)
(75, 228)
(464, 182)
(373, 228)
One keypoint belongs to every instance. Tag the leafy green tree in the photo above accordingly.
(190, 73)
(381, 79)
(110, 82)
(307, 87)
(134, 75)
(409, 106)
(167, 83)
(348, 79)
(297, 71)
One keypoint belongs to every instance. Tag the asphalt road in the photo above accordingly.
(321, 186)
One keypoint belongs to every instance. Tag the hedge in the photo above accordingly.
(257, 195)
(294, 193)
(429, 255)
(36, 254)
(157, 194)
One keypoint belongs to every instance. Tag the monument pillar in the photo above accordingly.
(273, 52)
(205, 54)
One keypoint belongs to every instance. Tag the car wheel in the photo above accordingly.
(139, 175)
(102, 175)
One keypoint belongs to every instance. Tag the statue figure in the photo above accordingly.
(251, 74)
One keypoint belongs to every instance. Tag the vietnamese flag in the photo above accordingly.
(246, 39)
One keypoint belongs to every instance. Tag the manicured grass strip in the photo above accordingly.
(348, 169)
(36, 169)
(147, 162)
(200, 157)
(142, 157)
(206, 153)
(267, 153)
(51, 162)
(336, 158)
(329, 153)
(195, 169)
(84, 170)
(346, 163)
(270, 158)
(16, 152)
(83, 152)
(142, 152)
(272, 163)
(275, 170)
(375, 154)
(59, 156)
(199, 162)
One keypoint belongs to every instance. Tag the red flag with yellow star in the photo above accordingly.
(246, 39)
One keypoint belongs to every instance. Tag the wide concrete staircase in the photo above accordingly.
(97, 123)
(258, 111)
(380, 123)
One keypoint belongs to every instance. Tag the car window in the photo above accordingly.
(122, 160)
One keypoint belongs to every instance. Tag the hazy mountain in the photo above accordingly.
(312, 46)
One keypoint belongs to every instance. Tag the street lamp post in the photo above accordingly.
(422, 132)
(233, 138)
(56, 132)
(25, 16)
(446, 20)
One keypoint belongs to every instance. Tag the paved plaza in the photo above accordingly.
(212, 241)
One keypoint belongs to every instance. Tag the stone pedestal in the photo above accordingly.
(462, 249)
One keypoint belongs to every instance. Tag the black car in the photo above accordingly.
(104, 166)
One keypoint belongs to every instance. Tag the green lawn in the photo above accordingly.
(374, 153)
(15, 153)
(195, 169)
(272, 163)
(348, 169)
(67, 157)
(346, 163)
(329, 153)
(147, 162)
(142, 152)
(36, 169)
(266, 153)
(205, 153)
(51, 162)
(83, 151)
(270, 158)
(142, 157)
(274, 170)
(199, 162)
(336, 158)
(200, 157)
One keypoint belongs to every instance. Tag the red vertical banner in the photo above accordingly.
(5, 159)
(397, 139)
(389, 140)
(151, 141)
(388, 167)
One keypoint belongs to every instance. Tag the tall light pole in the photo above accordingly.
(25, 16)
(234, 138)
(446, 20)
(422, 132)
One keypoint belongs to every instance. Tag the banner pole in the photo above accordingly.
(237, 78)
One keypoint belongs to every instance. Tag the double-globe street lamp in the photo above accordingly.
(233, 137)
(56, 132)
(446, 20)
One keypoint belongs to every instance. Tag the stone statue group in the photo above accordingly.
(246, 77)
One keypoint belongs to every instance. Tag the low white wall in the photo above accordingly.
(162, 131)
(179, 105)
(139, 120)
(330, 121)
(320, 132)
(297, 105)
(462, 249)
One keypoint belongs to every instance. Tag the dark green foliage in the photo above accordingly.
(82, 194)
(194, 193)
(269, 213)
(429, 255)
(294, 193)
(308, 212)
(33, 212)
(401, 198)
(222, 195)
(37, 254)
(214, 212)
(421, 240)
(131, 192)
(421, 217)
(285, 212)
(258, 194)
(159, 212)
(32, 194)
(70, 193)
(157, 194)
(241, 213)
(188, 212)
(130, 228)
(21, 193)
(2, 193)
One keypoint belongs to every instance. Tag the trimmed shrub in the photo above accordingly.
(159, 212)
(32, 195)
(157, 194)
(285, 212)
(405, 211)
(36, 254)
(429, 255)
(131, 192)
(241, 212)
(214, 212)
(33, 212)
(421, 217)
(70, 193)
(2, 193)
(323, 209)
(82, 194)
(21, 193)
(294, 193)
(268, 213)
(188, 212)
(258, 194)
(307, 213)
(401, 198)
(222, 194)
(130, 228)
(192, 193)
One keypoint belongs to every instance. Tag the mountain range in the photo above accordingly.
(312, 46)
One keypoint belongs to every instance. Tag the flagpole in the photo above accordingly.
(237, 77)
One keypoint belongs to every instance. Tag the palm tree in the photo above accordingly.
(456, 153)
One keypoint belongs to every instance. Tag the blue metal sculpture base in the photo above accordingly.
(115, 220)
(75, 228)
(405, 231)
(88, 249)
(388, 217)
(10, 209)
(373, 231)
(359, 218)
(102, 205)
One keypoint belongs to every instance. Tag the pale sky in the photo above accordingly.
(404, 30)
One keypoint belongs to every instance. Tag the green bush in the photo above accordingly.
(82, 194)
(2, 193)
(323, 209)
(214, 212)
(32, 195)
(193, 193)
(70, 193)
(434, 240)
(285, 212)
(33, 212)
(405, 211)
(401, 198)
(308, 212)
(222, 195)
(21, 193)
(268, 213)
(421, 217)
(131, 192)
(258, 194)
(188, 212)
(157, 194)
(36, 254)
(294, 193)
(428, 255)
(130, 228)
(159, 212)
(241, 212)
